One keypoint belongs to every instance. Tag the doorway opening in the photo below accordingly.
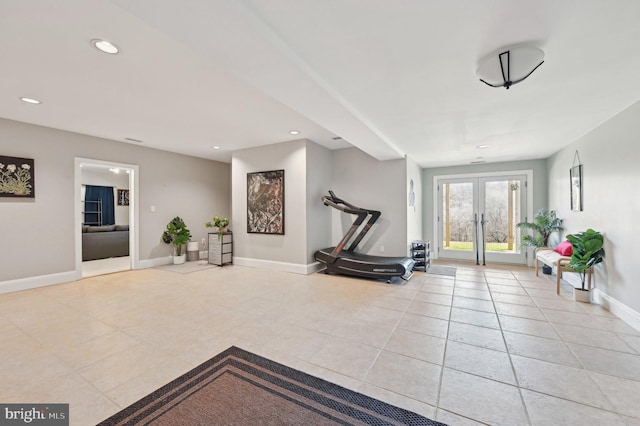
(106, 217)
(476, 216)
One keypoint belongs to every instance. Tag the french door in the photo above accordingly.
(477, 218)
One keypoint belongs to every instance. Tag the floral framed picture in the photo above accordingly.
(17, 177)
(265, 202)
(123, 197)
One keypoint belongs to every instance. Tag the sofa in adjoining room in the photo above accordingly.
(102, 242)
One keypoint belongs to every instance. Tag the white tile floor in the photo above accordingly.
(492, 345)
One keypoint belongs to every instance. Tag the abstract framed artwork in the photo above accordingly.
(17, 177)
(576, 187)
(265, 202)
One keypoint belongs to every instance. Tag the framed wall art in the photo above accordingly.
(17, 177)
(123, 197)
(265, 202)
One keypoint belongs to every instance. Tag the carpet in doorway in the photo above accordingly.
(442, 270)
(187, 267)
(237, 387)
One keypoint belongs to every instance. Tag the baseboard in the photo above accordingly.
(277, 266)
(38, 281)
(617, 308)
(158, 261)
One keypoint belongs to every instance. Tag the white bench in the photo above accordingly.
(552, 258)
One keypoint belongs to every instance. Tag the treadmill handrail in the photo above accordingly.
(339, 204)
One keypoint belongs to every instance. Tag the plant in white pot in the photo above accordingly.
(588, 251)
(177, 234)
(544, 224)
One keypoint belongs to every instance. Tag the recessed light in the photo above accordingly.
(482, 146)
(294, 132)
(216, 147)
(105, 46)
(30, 101)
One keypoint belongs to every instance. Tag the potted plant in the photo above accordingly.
(218, 222)
(177, 234)
(588, 250)
(544, 224)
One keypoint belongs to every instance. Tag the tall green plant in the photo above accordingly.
(544, 224)
(588, 250)
(177, 234)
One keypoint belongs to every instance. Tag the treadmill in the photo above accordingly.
(345, 261)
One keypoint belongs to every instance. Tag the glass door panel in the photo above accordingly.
(477, 218)
(457, 219)
(502, 204)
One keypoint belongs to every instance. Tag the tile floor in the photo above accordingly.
(490, 346)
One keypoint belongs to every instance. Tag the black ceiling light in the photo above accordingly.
(514, 65)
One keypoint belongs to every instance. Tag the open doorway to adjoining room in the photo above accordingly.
(106, 217)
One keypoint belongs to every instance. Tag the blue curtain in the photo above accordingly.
(95, 193)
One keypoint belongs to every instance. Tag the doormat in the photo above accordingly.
(237, 387)
(442, 270)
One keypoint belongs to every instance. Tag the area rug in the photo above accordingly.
(442, 270)
(187, 267)
(237, 387)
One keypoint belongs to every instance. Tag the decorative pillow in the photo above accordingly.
(564, 248)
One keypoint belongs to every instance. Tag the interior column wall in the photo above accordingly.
(379, 185)
(265, 249)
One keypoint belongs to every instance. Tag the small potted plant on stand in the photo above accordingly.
(177, 234)
(218, 222)
(544, 224)
(588, 251)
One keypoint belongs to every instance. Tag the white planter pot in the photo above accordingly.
(179, 260)
(581, 295)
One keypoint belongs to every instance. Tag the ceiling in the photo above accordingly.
(392, 78)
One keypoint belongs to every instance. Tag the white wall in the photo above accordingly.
(379, 185)
(107, 178)
(319, 173)
(41, 232)
(414, 196)
(611, 176)
(265, 249)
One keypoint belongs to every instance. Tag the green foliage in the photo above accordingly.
(588, 250)
(544, 224)
(218, 222)
(177, 234)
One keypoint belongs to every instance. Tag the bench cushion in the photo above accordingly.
(549, 257)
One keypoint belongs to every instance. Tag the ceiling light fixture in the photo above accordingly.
(482, 146)
(294, 132)
(30, 101)
(105, 46)
(216, 147)
(514, 64)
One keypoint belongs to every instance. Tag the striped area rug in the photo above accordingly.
(237, 387)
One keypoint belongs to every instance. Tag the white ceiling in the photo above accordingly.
(392, 78)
